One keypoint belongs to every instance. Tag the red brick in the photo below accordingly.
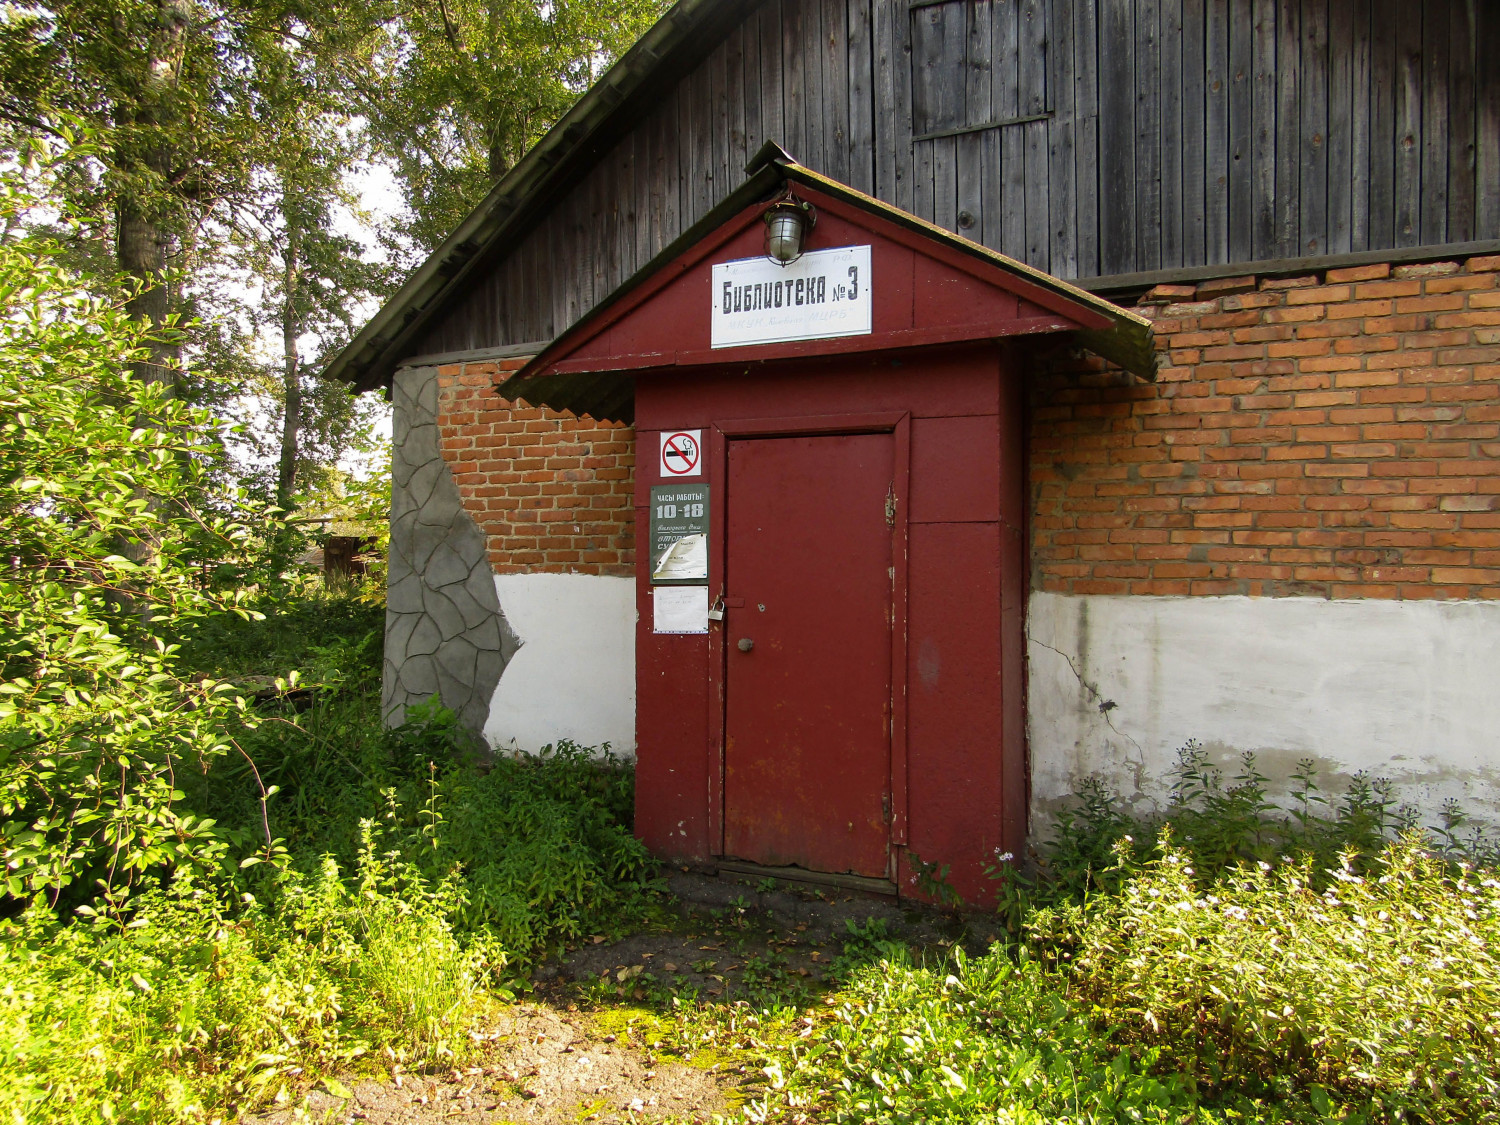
(1388, 289)
(1441, 302)
(1360, 273)
(1316, 294)
(1464, 283)
(1427, 269)
(1224, 286)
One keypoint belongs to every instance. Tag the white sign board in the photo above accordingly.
(681, 454)
(679, 609)
(824, 293)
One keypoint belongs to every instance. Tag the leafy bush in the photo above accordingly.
(1221, 823)
(1263, 998)
(1384, 988)
(111, 523)
(329, 637)
(960, 1040)
(314, 662)
(543, 844)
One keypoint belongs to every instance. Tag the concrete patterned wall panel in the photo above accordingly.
(445, 634)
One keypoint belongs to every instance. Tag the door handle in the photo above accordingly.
(746, 644)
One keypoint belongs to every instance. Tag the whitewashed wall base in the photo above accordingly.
(1404, 690)
(574, 673)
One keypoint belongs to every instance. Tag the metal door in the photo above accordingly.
(809, 582)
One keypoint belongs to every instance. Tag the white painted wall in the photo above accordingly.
(574, 674)
(1405, 690)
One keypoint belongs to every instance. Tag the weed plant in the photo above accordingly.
(185, 1006)
(1318, 950)
(952, 1039)
(1381, 991)
(1234, 960)
(541, 845)
(1220, 823)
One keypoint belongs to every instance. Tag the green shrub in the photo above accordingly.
(1384, 988)
(1221, 823)
(112, 525)
(316, 738)
(542, 843)
(991, 1039)
(324, 635)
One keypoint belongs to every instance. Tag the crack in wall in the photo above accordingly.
(1104, 705)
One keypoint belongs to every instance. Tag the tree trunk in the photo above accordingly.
(143, 228)
(141, 252)
(291, 376)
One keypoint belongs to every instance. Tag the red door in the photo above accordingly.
(807, 745)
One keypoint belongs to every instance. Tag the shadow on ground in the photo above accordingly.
(580, 1049)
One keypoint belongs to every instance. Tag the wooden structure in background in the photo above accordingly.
(1118, 142)
(1303, 198)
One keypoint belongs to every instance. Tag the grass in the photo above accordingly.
(382, 891)
(182, 1008)
(1237, 959)
(1258, 998)
(1348, 977)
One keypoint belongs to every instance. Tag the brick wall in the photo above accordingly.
(1335, 435)
(552, 493)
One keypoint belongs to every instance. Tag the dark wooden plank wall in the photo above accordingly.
(1086, 137)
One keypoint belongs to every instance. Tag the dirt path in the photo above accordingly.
(551, 1061)
(541, 1065)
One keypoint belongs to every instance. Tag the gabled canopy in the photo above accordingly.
(931, 287)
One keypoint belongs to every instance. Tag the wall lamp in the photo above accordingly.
(787, 224)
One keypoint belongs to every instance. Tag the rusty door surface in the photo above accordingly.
(808, 652)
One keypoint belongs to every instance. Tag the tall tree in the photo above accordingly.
(313, 279)
(225, 149)
(175, 87)
(458, 90)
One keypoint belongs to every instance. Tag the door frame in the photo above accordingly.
(721, 433)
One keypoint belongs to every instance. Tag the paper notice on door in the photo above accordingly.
(679, 609)
(686, 558)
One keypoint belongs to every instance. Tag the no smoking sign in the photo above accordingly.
(681, 453)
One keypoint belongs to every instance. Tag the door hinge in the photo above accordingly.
(890, 507)
(885, 808)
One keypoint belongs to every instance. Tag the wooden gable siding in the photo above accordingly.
(1087, 138)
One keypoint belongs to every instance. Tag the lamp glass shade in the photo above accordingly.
(784, 236)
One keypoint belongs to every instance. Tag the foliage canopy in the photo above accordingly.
(112, 526)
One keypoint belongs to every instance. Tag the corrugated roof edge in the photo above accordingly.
(368, 360)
